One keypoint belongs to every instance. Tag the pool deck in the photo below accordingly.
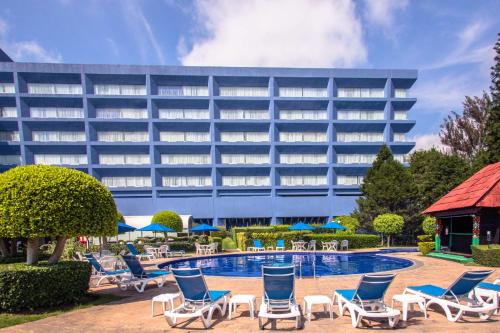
(133, 313)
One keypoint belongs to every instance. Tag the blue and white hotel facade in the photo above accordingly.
(229, 146)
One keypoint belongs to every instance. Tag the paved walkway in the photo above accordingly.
(133, 313)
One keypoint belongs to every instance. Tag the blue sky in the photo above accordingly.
(448, 41)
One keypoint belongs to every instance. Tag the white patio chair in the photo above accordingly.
(344, 244)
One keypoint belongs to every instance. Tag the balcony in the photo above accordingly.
(301, 92)
(119, 90)
(56, 112)
(60, 159)
(7, 88)
(183, 91)
(54, 89)
(360, 93)
(244, 91)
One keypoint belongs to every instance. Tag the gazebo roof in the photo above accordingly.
(480, 190)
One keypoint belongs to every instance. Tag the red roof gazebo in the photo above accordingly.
(469, 212)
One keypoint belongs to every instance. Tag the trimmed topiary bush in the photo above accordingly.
(351, 223)
(40, 201)
(169, 219)
(429, 225)
(425, 247)
(389, 224)
(228, 244)
(27, 288)
(487, 256)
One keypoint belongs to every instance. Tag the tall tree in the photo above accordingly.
(387, 188)
(465, 134)
(435, 174)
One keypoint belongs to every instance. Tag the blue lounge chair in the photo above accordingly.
(367, 300)
(458, 296)
(100, 274)
(140, 277)
(257, 246)
(133, 251)
(280, 245)
(197, 298)
(278, 301)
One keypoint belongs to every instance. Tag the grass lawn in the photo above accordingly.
(11, 319)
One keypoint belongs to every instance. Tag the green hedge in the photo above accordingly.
(357, 241)
(426, 247)
(273, 228)
(27, 288)
(487, 256)
(184, 246)
(228, 244)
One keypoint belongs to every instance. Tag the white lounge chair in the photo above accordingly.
(100, 274)
(140, 277)
(137, 254)
(489, 292)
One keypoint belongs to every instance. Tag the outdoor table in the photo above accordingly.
(242, 299)
(309, 301)
(408, 300)
(330, 246)
(299, 246)
(205, 248)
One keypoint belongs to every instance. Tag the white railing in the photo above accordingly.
(121, 113)
(8, 112)
(303, 92)
(361, 92)
(187, 181)
(400, 115)
(303, 158)
(244, 91)
(303, 137)
(399, 137)
(244, 136)
(7, 88)
(349, 180)
(186, 159)
(245, 158)
(172, 136)
(356, 158)
(402, 158)
(9, 136)
(306, 180)
(303, 115)
(58, 136)
(51, 88)
(10, 159)
(244, 114)
(176, 91)
(56, 112)
(400, 93)
(245, 181)
(183, 114)
(60, 159)
(360, 137)
(122, 136)
(120, 89)
(360, 115)
(126, 181)
(123, 159)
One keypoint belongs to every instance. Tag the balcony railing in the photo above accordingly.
(8, 112)
(244, 91)
(360, 115)
(401, 93)
(117, 136)
(120, 89)
(356, 158)
(244, 136)
(303, 92)
(113, 182)
(309, 180)
(7, 88)
(171, 136)
(349, 180)
(179, 91)
(303, 137)
(183, 114)
(303, 158)
(244, 114)
(184, 159)
(54, 89)
(60, 159)
(121, 113)
(187, 181)
(124, 159)
(245, 158)
(245, 181)
(58, 136)
(56, 112)
(303, 115)
(360, 137)
(361, 92)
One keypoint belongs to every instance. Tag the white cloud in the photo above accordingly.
(300, 33)
(28, 51)
(428, 141)
(383, 12)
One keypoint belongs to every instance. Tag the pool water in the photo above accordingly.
(306, 264)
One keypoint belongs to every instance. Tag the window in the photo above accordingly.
(176, 91)
(183, 114)
(402, 158)
(303, 158)
(303, 137)
(303, 114)
(56, 112)
(8, 112)
(400, 93)
(314, 180)
(400, 115)
(9, 136)
(126, 181)
(121, 113)
(361, 92)
(187, 181)
(244, 136)
(10, 159)
(186, 159)
(360, 137)
(356, 158)
(7, 88)
(120, 89)
(116, 136)
(60, 159)
(302, 92)
(245, 181)
(244, 91)
(58, 136)
(50, 88)
(360, 115)
(245, 158)
(120, 159)
(244, 114)
(349, 180)
(170, 136)
(399, 137)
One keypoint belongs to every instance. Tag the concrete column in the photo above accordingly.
(437, 239)
(476, 225)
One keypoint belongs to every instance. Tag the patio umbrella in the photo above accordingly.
(155, 227)
(301, 226)
(333, 225)
(204, 228)
(123, 228)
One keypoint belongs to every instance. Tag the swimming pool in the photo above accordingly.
(307, 264)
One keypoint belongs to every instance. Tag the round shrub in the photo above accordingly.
(429, 225)
(388, 224)
(425, 247)
(228, 244)
(169, 219)
(351, 223)
(27, 288)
